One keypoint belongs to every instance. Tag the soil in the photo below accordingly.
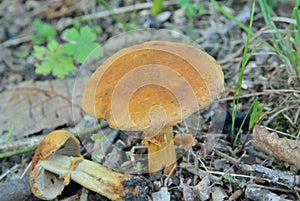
(213, 168)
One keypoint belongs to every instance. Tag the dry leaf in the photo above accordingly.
(188, 193)
(282, 149)
(259, 194)
(218, 193)
(236, 195)
(202, 188)
(34, 106)
(185, 140)
(161, 195)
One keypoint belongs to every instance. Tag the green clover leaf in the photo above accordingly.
(81, 44)
(44, 32)
(53, 60)
(192, 8)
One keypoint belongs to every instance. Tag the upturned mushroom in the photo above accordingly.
(57, 161)
(151, 87)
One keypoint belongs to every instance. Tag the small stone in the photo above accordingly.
(161, 195)
(2, 67)
(221, 165)
(2, 34)
(163, 16)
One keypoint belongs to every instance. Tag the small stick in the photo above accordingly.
(20, 144)
(9, 171)
(30, 144)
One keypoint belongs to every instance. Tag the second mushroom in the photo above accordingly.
(151, 87)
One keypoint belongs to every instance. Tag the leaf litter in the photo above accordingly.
(40, 105)
(283, 149)
(266, 76)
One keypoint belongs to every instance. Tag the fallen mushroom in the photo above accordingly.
(151, 87)
(57, 161)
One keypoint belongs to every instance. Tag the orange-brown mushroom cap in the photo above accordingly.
(152, 85)
(45, 184)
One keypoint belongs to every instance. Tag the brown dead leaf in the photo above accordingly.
(184, 141)
(202, 189)
(59, 8)
(218, 193)
(188, 193)
(284, 9)
(34, 106)
(236, 195)
(282, 149)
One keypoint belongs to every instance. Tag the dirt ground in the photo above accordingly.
(32, 105)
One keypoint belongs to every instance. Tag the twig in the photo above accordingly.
(17, 41)
(274, 175)
(296, 116)
(265, 92)
(9, 171)
(289, 120)
(280, 132)
(269, 188)
(25, 171)
(278, 112)
(233, 161)
(199, 172)
(20, 147)
(277, 175)
(231, 174)
(121, 10)
(284, 19)
(84, 194)
(20, 144)
(102, 14)
(169, 175)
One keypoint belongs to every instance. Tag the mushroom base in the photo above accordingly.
(161, 151)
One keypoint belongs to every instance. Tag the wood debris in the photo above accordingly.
(282, 149)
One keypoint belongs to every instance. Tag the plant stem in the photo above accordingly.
(237, 92)
(103, 124)
(157, 7)
(32, 148)
(20, 151)
(114, 15)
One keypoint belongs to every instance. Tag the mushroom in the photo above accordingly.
(57, 161)
(151, 87)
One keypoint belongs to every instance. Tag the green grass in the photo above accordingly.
(286, 44)
(255, 110)
(43, 32)
(9, 133)
(192, 9)
(231, 17)
(20, 151)
(157, 7)
(118, 18)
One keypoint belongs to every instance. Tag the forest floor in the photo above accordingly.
(214, 168)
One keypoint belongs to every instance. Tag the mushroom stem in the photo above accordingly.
(88, 174)
(161, 151)
(57, 160)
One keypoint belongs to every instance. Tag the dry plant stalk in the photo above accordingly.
(282, 149)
